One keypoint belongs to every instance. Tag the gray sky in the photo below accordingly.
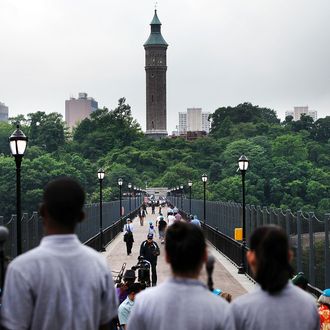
(273, 53)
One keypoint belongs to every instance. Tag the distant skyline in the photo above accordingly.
(271, 53)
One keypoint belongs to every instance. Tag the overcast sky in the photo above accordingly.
(273, 53)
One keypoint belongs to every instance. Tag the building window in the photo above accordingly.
(152, 98)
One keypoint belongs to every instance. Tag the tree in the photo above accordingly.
(46, 131)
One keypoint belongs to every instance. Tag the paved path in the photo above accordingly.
(225, 274)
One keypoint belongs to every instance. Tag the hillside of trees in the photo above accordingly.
(289, 161)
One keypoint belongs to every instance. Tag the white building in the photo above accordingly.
(194, 120)
(78, 109)
(3, 112)
(298, 111)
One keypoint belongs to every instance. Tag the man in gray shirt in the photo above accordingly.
(182, 302)
(61, 284)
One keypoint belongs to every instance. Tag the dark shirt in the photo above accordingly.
(150, 251)
(162, 225)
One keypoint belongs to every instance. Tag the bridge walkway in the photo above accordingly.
(225, 274)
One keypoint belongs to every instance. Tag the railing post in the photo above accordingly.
(287, 221)
(299, 248)
(326, 250)
(311, 248)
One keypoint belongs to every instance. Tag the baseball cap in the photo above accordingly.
(326, 293)
(150, 236)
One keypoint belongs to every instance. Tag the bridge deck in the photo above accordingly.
(225, 275)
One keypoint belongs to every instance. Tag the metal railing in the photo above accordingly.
(87, 230)
(309, 236)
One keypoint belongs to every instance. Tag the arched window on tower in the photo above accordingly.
(152, 124)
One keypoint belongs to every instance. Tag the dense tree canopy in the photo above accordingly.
(289, 161)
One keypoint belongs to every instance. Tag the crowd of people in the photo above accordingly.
(63, 284)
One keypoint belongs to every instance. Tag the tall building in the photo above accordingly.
(194, 120)
(78, 109)
(298, 111)
(3, 112)
(155, 66)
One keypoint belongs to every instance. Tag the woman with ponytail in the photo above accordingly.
(276, 303)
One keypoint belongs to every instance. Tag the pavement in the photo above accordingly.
(225, 276)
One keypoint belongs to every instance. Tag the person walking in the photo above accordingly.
(276, 303)
(181, 302)
(142, 215)
(128, 236)
(126, 306)
(195, 221)
(150, 251)
(170, 217)
(151, 229)
(61, 284)
(161, 229)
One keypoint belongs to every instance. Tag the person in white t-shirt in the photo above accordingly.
(170, 217)
(61, 284)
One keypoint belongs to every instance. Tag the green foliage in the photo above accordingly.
(289, 161)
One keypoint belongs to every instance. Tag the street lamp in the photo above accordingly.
(243, 164)
(177, 196)
(190, 185)
(17, 143)
(130, 205)
(181, 189)
(204, 179)
(120, 183)
(100, 175)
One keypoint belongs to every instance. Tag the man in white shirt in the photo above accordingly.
(182, 302)
(128, 236)
(61, 284)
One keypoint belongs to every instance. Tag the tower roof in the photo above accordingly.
(155, 37)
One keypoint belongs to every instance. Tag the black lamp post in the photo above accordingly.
(181, 190)
(17, 143)
(204, 179)
(243, 164)
(120, 183)
(100, 175)
(130, 195)
(190, 185)
(177, 196)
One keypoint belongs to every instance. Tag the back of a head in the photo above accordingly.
(271, 246)
(64, 199)
(185, 247)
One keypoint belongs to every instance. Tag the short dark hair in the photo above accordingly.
(134, 287)
(271, 246)
(64, 199)
(185, 246)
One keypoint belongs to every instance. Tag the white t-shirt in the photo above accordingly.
(61, 284)
(170, 219)
(180, 304)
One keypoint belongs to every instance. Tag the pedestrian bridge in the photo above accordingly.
(225, 276)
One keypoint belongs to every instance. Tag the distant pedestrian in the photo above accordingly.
(153, 206)
(195, 221)
(142, 214)
(160, 210)
(181, 302)
(161, 229)
(126, 306)
(128, 236)
(150, 251)
(170, 217)
(61, 284)
(324, 309)
(178, 217)
(151, 229)
(276, 303)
